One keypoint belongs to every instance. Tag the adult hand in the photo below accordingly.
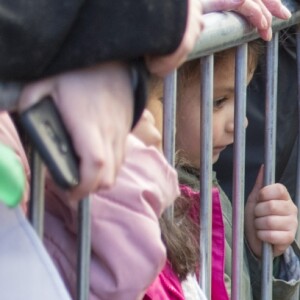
(271, 217)
(96, 105)
(258, 12)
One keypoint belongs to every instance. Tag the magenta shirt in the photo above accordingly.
(167, 285)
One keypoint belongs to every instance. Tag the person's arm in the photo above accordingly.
(126, 240)
(41, 38)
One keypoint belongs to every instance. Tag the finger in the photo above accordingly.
(161, 65)
(276, 237)
(266, 34)
(255, 14)
(91, 151)
(265, 11)
(275, 208)
(119, 146)
(277, 9)
(34, 92)
(257, 186)
(108, 171)
(276, 223)
(273, 192)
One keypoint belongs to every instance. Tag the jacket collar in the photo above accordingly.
(191, 176)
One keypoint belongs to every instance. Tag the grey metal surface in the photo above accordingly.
(225, 30)
(206, 173)
(297, 199)
(169, 121)
(297, 194)
(84, 249)
(270, 153)
(37, 183)
(239, 171)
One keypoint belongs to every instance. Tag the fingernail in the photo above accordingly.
(285, 12)
(269, 35)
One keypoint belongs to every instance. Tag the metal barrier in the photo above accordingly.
(84, 221)
(222, 31)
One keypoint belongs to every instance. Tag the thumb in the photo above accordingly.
(258, 185)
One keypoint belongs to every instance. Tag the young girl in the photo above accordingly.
(270, 215)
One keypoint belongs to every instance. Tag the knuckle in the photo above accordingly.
(272, 207)
(281, 189)
(269, 223)
(97, 160)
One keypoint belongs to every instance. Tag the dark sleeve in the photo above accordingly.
(140, 87)
(285, 273)
(41, 38)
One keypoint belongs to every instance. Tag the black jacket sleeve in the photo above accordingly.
(40, 37)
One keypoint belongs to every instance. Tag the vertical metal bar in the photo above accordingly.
(297, 196)
(37, 187)
(296, 296)
(206, 173)
(84, 249)
(270, 150)
(241, 63)
(169, 121)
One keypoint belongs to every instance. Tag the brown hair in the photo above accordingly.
(191, 69)
(180, 238)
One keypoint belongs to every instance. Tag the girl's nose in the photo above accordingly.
(230, 125)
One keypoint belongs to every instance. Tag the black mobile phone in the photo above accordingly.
(47, 133)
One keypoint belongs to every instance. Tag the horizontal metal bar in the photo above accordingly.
(227, 29)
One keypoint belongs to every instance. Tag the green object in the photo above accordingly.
(12, 177)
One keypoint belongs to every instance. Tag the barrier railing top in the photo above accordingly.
(225, 30)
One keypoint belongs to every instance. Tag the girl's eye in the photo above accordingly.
(218, 103)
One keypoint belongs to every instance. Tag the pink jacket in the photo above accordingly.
(10, 137)
(128, 253)
(167, 285)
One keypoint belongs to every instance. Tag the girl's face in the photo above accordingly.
(188, 113)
